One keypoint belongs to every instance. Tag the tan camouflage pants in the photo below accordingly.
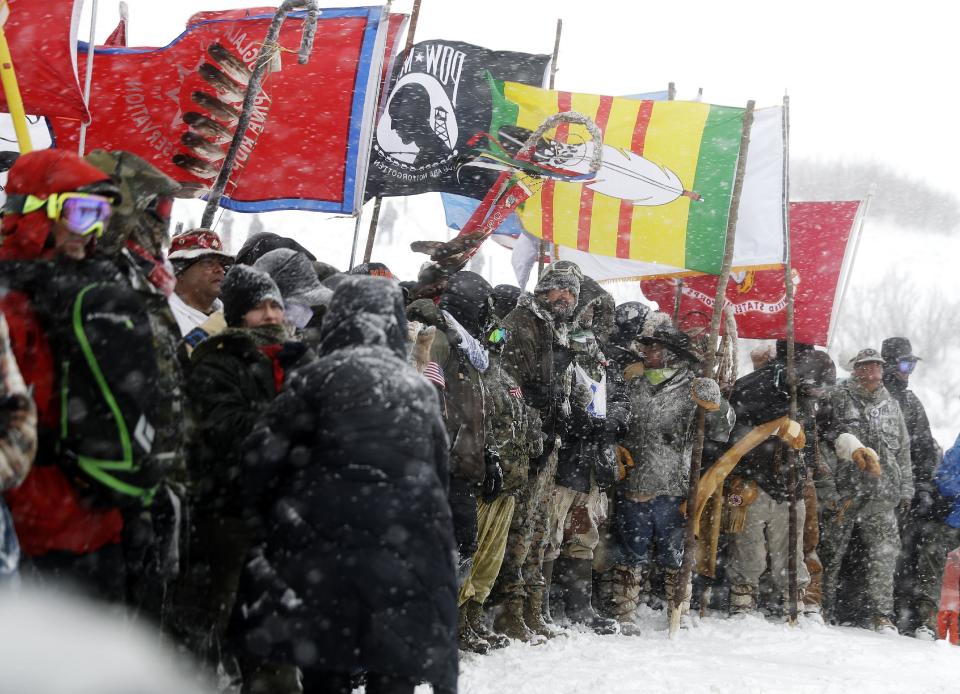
(493, 526)
(575, 520)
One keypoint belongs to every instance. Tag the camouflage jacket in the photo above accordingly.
(513, 427)
(876, 420)
(661, 433)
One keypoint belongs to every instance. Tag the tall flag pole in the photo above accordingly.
(792, 528)
(10, 88)
(553, 76)
(375, 218)
(88, 80)
(681, 597)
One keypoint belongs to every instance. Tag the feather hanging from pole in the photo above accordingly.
(729, 357)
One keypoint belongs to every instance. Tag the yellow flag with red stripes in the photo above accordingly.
(663, 191)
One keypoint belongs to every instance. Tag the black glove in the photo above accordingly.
(923, 504)
(493, 479)
(537, 463)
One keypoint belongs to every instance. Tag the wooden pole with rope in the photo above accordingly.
(690, 540)
(553, 75)
(11, 89)
(792, 526)
(375, 218)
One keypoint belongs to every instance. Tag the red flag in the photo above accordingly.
(818, 240)
(303, 147)
(118, 36)
(42, 35)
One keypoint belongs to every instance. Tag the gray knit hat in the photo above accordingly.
(295, 277)
(562, 274)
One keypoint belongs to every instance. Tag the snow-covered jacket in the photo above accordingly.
(351, 463)
(661, 433)
(876, 421)
(947, 478)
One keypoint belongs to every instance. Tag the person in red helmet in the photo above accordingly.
(57, 206)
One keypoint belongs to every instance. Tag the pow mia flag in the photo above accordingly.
(438, 100)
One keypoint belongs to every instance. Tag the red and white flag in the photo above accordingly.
(819, 232)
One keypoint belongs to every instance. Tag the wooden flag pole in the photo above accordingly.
(10, 87)
(375, 218)
(677, 298)
(792, 525)
(690, 540)
(553, 76)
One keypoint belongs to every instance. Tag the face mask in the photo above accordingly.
(906, 366)
(298, 315)
(658, 376)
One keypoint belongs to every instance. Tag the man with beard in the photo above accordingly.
(537, 354)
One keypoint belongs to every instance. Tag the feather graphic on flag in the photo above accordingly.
(622, 174)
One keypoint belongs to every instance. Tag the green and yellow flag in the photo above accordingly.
(663, 191)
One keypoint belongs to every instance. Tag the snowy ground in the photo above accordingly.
(718, 655)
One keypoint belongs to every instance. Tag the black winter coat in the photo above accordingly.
(760, 397)
(353, 466)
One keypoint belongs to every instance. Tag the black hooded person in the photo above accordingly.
(351, 464)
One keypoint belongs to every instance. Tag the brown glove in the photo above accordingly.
(624, 462)
(867, 460)
(706, 393)
(633, 371)
(791, 433)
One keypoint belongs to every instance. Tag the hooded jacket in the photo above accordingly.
(351, 461)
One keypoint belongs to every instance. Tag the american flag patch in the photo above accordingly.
(432, 372)
(517, 393)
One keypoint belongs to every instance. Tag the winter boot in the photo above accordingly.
(552, 606)
(576, 577)
(510, 622)
(625, 597)
(881, 624)
(478, 623)
(603, 593)
(533, 614)
(743, 599)
(467, 638)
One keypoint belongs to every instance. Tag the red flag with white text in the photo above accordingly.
(177, 107)
(819, 232)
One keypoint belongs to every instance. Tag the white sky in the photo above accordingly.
(866, 80)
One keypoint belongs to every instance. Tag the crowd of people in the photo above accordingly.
(304, 477)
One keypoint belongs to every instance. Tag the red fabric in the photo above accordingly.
(118, 37)
(49, 516)
(273, 351)
(33, 354)
(818, 239)
(950, 597)
(43, 53)
(159, 276)
(297, 144)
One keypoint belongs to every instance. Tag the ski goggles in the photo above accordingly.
(82, 213)
(906, 366)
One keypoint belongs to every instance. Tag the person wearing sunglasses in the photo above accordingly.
(925, 539)
(200, 263)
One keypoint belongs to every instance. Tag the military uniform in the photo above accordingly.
(862, 499)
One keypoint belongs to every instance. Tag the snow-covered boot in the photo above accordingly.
(576, 577)
(467, 638)
(743, 599)
(510, 622)
(533, 614)
(625, 597)
(478, 623)
(882, 625)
